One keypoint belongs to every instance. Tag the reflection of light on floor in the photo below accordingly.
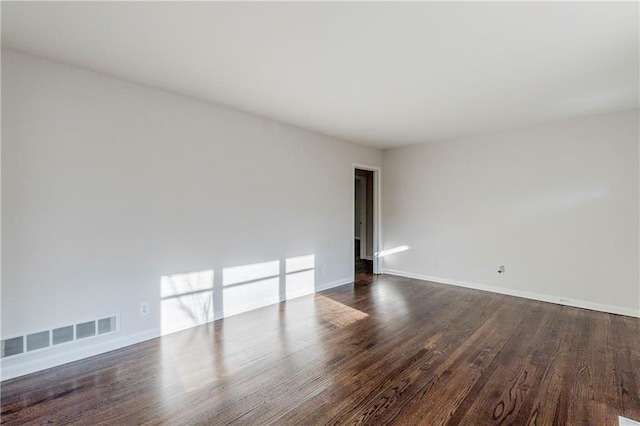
(391, 304)
(250, 286)
(337, 313)
(186, 300)
(394, 250)
(191, 359)
(300, 278)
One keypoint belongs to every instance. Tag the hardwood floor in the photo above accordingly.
(385, 350)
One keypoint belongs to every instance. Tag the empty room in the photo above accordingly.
(252, 213)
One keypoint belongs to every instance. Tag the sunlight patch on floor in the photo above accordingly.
(337, 313)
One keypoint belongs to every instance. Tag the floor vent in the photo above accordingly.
(13, 346)
(86, 329)
(62, 335)
(37, 341)
(106, 325)
(18, 345)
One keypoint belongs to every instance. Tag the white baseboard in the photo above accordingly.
(619, 310)
(332, 284)
(10, 368)
(623, 421)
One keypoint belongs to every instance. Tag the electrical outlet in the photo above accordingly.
(144, 308)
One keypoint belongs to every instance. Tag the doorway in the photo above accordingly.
(365, 233)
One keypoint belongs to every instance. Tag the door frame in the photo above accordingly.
(377, 213)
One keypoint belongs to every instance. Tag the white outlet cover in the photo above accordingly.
(144, 308)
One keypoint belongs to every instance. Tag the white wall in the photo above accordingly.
(107, 186)
(556, 204)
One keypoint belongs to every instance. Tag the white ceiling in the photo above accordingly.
(380, 74)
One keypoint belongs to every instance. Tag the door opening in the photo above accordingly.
(364, 221)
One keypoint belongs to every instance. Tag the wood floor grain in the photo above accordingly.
(386, 350)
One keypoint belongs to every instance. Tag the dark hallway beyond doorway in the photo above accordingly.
(363, 266)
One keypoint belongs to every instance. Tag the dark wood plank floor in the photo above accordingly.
(385, 350)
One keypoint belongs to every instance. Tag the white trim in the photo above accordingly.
(332, 284)
(623, 421)
(612, 309)
(10, 369)
(377, 214)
